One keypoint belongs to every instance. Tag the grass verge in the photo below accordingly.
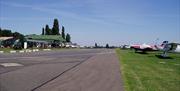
(6, 50)
(146, 72)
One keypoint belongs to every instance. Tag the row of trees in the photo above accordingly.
(96, 46)
(55, 31)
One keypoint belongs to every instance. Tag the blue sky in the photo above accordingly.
(103, 21)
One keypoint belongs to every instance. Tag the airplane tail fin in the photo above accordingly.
(161, 47)
(164, 43)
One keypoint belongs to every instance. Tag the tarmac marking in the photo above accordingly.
(10, 64)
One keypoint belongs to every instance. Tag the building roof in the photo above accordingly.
(45, 37)
(5, 38)
(39, 41)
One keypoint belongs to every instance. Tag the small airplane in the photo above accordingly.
(165, 47)
(168, 47)
(143, 48)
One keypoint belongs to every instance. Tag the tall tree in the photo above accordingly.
(63, 32)
(107, 45)
(17, 35)
(68, 38)
(55, 29)
(96, 45)
(47, 30)
(0, 32)
(43, 32)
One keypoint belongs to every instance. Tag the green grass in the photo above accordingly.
(6, 50)
(146, 72)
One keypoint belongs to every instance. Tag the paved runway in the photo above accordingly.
(63, 70)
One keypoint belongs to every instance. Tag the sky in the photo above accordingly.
(115, 22)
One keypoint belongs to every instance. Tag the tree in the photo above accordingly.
(96, 45)
(68, 38)
(55, 29)
(0, 32)
(43, 32)
(6, 33)
(19, 36)
(16, 35)
(47, 30)
(63, 32)
(107, 45)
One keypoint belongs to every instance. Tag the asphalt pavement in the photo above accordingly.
(61, 70)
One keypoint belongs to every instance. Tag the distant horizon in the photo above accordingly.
(115, 22)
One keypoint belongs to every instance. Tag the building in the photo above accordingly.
(45, 41)
(7, 41)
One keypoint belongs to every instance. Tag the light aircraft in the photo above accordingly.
(168, 47)
(165, 47)
(143, 48)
